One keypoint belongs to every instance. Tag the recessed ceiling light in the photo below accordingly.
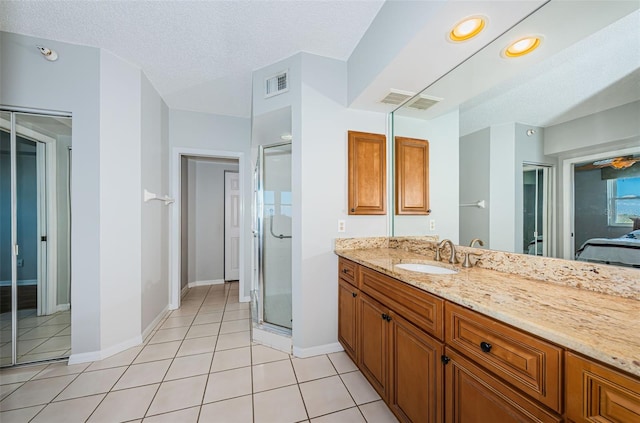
(467, 28)
(522, 46)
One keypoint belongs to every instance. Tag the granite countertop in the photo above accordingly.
(603, 327)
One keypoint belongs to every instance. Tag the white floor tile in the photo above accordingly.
(190, 415)
(350, 415)
(191, 365)
(235, 410)
(273, 375)
(35, 392)
(90, 383)
(178, 394)
(121, 406)
(342, 362)
(231, 359)
(359, 388)
(70, 411)
(377, 412)
(283, 405)
(197, 345)
(143, 374)
(325, 396)
(228, 384)
(312, 368)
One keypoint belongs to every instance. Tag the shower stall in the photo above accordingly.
(271, 290)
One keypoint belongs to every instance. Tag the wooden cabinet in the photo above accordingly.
(474, 395)
(484, 371)
(412, 176)
(415, 373)
(367, 173)
(595, 393)
(527, 362)
(347, 318)
(373, 343)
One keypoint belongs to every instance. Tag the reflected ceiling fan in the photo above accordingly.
(622, 162)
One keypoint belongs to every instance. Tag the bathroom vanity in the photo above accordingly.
(481, 345)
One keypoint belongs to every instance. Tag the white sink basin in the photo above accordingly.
(426, 268)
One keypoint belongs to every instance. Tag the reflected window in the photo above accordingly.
(623, 197)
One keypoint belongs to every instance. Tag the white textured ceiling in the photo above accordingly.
(199, 54)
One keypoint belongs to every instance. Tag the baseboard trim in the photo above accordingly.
(62, 307)
(318, 350)
(105, 353)
(155, 322)
(205, 283)
(185, 289)
(245, 299)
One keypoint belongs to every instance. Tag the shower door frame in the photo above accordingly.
(260, 232)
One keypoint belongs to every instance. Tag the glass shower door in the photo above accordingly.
(276, 228)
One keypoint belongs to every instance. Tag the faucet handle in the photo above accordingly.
(438, 256)
(467, 261)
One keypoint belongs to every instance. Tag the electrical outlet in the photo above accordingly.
(432, 225)
(20, 262)
(341, 226)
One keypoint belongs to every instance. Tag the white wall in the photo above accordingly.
(71, 84)
(154, 214)
(474, 186)
(120, 202)
(192, 130)
(443, 136)
(206, 225)
(617, 127)
(502, 192)
(320, 198)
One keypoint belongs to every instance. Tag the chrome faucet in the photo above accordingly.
(452, 258)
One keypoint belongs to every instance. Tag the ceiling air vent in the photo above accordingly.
(423, 102)
(397, 97)
(276, 84)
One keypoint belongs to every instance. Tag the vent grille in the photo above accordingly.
(276, 84)
(397, 97)
(423, 102)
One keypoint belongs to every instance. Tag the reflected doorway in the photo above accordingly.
(35, 223)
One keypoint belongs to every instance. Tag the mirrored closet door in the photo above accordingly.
(35, 228)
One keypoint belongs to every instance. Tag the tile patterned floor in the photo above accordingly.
(198, 365)
(39, 337)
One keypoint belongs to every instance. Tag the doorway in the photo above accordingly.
(198, 251)
(35, 272)
(537, 212)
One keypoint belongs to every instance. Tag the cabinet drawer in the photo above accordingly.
(420, 308)
(347, 270)
(526, 362)
(474, 395)
(598, 394)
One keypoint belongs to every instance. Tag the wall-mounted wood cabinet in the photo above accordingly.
(412, 176)
(367, 173)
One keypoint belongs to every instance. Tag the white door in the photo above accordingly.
(231, 226)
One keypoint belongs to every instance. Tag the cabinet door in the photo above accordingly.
(475, 396)
(373, 343)
(367, 173)
(595, 393)
(347, 318)
(412, 176)
(415, 373)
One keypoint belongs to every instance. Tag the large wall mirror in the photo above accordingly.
(538, 154)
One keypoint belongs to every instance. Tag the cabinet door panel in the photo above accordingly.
(415, 382)
(475, 396)
(412, 176)
(595, 393)
(347, 322)
(367, 173)
(373, 343)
